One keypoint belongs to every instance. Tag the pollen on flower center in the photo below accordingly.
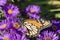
(16, 25)
(32, 10)
(4, 26)
(47, 38)
(10, 11)
(6, 38)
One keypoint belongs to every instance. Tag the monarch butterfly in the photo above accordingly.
(33, 26)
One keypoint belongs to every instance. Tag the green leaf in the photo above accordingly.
(57, 15)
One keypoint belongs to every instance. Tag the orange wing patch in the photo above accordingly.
(34, 22)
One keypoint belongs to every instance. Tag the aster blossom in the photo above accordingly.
(15, 22)
(56, 23)
(5, 37)
(12, 35)
(5, 24)
(32, 11)
(46, 35)
(3, 2)
(58, 31)
(11, 11)
(17, 36)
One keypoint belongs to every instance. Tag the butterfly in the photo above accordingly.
(34, 27)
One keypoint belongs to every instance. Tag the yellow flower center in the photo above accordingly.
(10, 11)
(6, 38)
(4, 26)
(32, 10)
(47, 38)
(16, 25)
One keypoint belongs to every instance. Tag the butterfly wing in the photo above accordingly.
(32, 27)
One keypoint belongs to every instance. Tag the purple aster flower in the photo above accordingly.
(3, 2)
(12, 35)
(33, 9)
(11, 11)
(58, 31)
(17, 36)
(4, 24)
(15, 23)
(56, 23)
(4, 35)
(46, 35)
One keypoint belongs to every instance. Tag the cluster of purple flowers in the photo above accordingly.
(10, 28)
